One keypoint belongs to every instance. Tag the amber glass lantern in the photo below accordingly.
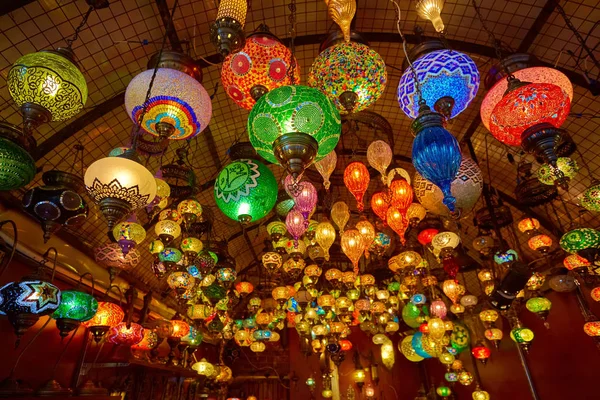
(107, 316)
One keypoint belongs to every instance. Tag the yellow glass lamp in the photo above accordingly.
(431, 10)
(47, 86)
(128, 234)
(325, 236)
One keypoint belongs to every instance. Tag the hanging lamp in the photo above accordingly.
(179, 107)
(448, 80)
(245, 190)
(356, 179)
(294, 126)
(227, 32)
(119, 185)
(17, 167)
(435, 152)
(261, 66)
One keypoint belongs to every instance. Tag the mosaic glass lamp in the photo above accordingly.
(57, 203)
(245, 190)
(119, 185)
(110, 255)
(435, 153)
(261, 66)
(351, 74)
(179, 107)
(227, 32)
(47, 86)
(294, 126)
(566, 168)
(107, 316)
(590, 199)
(534, 75)
(525, 108)
(128, 234)
(449, 82)
(17, 167)
(466, 188)
(75, 307)
(580, 239)
(125, 335)
(25, 301)
(356, 179)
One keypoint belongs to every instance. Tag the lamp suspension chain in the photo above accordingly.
(580, 39)
(83, 22)
(410, 64)
(292, 19)
(154, 73)
(492, 38)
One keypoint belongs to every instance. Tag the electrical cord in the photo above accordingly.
(263, 368)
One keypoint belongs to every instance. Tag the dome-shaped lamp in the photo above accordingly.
(128, 234)
(25, 301)
(261, 66)
(47, 86)
(190, 210)
(227, 32)
(435, 152)
(351, 74)
(75, 307)
(17, 167)
(125, 334)
(107, 315)
(529, 114)
(449, 82)
(119, 185)
(179, 107)
(294, 126)
(58, 202)
(245, 190)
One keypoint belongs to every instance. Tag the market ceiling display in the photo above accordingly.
(422, 168)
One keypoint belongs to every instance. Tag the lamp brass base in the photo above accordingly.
(90, 389)
(114, 210)
(348, 100)
(53, 388)
(66, 325)
(33, 116)
(258, 91)
(227, 35)
(164, 129)
(10, 388)
(295, 151)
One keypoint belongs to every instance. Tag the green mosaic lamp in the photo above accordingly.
(245, 190)
(579, 239)
(294, 126)
(17, 167)
(75, 307)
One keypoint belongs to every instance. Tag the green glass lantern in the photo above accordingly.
(75, 307)
(580, 239)
(17, 168)
(294, 126)
(47, 86)
(540, 306)
(246, 190)
(521, 335)
(565, 165)
(590, 199)
(443, 391)
(351, 74)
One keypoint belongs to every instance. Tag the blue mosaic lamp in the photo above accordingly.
(435, 152)
(449, 82)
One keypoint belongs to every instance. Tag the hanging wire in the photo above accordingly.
(292, 19)
(75, 36)
(149, 92)
(412, 68)
(580, 39)
(493, 39)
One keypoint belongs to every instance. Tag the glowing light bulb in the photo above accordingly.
(431, 10)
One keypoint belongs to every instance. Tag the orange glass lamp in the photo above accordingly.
(397, 221)
(352, 246)
(125, 334)
(527, 225)
(107, 316)
(380, 204)
(541, 243)
(356, 179)
(367, 232)
(180, 330)
(402, 194)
